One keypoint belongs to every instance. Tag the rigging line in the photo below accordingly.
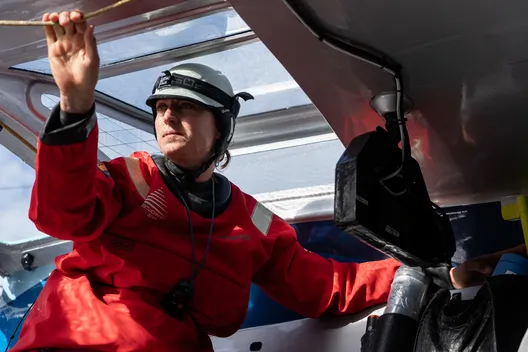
(17, 136)
(49, 23)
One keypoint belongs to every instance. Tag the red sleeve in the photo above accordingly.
(312, 285)
(72, 198)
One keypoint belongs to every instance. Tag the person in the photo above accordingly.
(165, 249)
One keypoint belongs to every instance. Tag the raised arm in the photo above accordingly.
(72, 198)
(312, 285)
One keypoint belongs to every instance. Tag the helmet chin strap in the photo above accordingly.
(190, 175)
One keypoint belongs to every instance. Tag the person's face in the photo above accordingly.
(186, 131)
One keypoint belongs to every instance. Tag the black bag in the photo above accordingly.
(494, 321)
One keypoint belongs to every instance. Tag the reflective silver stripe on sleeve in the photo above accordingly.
(262, 218)
(134, 170)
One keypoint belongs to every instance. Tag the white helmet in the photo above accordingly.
(208, 87)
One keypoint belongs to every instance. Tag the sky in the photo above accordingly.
(16, 180)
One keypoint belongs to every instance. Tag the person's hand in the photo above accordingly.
(475, 271)
(74, 60)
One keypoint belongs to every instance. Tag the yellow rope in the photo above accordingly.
(49, 23)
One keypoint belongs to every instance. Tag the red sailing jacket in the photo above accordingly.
(132, 246)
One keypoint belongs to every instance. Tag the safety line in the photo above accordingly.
(49, 23)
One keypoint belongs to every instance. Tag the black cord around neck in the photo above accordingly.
(194, 271)
(177, 172)
(176, 301)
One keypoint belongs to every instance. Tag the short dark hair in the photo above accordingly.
(224, 160)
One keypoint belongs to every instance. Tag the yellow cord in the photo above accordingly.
(49, 23)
